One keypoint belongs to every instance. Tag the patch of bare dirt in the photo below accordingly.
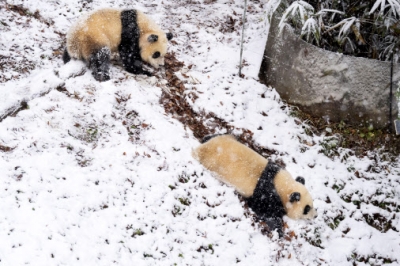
(360, 140)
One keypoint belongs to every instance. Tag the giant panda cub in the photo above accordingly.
(271, 192)
(135, 36)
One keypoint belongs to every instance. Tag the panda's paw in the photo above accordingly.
(275, 224)
(101, 76)
(147, 73)
(138, 71)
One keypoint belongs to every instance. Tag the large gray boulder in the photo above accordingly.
(327, 84)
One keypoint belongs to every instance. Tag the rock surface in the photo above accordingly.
(331, 85)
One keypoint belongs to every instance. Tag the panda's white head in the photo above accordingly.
(295, 197)
(153, 47)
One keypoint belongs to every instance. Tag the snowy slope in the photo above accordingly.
(99, 174)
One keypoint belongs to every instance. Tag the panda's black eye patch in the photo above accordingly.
(156, 55)
(152, 38)
(295, 196)
(306, 209)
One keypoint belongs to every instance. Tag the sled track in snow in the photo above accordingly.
(176, 104)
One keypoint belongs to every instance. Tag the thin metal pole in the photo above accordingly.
(241, 44)
(391, 95)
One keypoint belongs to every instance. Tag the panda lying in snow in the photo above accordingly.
(130, 32)
(271, 192)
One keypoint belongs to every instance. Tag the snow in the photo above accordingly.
(99, 173)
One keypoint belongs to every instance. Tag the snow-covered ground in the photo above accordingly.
(99, 174)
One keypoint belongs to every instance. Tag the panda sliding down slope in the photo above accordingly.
(270, 191)
(136, 37)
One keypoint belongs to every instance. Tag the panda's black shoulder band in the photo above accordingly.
(129, 49)
(130, 28)
(265, 201)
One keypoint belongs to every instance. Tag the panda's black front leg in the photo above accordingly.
(99, 63)
(131, 61)
(274, 223)
(137, 68)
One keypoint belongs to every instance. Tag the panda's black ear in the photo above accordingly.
(301, 180)
(295, 196)
(152, 38)
(169, 36)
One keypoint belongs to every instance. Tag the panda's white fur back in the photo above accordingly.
(241, 167)
(233, 162)
(97, 29)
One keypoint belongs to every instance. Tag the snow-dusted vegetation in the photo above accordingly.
(360, 28)
(102, 173)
